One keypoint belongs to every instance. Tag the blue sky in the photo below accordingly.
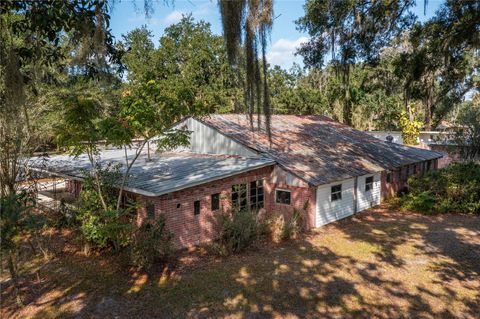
(285, 38)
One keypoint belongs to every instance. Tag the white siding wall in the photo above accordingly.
(328, 211)
(371, 198)
(206, 140)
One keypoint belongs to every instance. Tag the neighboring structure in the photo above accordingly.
(425, 137)
(312, 164)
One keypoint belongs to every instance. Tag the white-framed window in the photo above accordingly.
(336, 192)
(368, 183)
(282, 196)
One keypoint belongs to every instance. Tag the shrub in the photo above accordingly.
(151, 243)
(455, 188)
(238, 230)
(99, 226)
(293, 227)
(423, 202)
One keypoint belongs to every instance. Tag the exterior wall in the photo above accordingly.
(303, 197)
(73, 187)
(397, 184)
(206, 140)
(367, 199)
(190, 229)
(327, 210)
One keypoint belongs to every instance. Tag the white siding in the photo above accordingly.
(327, 210)
(206, 140)
(371, 198)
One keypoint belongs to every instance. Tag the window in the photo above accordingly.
(150, 210)
(239, 196)
(389, 177)
(196, 207)
(399, 175)
(368, 183)
(429, 164)
(256, 195)
(336, 192)
(412, 169)
(215, 202)
(282, 196)
(405, 175)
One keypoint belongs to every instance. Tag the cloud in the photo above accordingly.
(176, 15)
(173, 17)
(282, 52)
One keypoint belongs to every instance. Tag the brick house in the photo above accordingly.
(323, 169)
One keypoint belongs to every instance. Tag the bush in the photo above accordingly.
(293, 227)
(455, 188)
(238, 230)
(423, 202)
(151, 243)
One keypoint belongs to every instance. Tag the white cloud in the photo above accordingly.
(176, 15)
(282, 52)
(173, 17)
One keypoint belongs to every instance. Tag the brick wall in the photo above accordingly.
(190, 229)
(398, 184)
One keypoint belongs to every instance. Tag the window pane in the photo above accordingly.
(150, 210)
(239, 196)
(196, 207)
(282, 197)
(215, 201)
(336, 192)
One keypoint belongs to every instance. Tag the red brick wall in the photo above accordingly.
(397, 185)
(190, 229)
(300, 198)
(73, 187)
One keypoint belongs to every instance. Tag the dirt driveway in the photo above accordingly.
(378, 264)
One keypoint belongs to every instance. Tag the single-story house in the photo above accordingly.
(312, 164)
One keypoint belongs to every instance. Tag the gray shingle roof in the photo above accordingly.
(317, 148)
(163, 174)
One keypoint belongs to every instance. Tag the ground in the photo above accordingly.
(378, 264)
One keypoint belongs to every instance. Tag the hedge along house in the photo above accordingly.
(321, 168)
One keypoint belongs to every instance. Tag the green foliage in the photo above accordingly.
(467, 134)
(410, 126)
(190, 67)
(102, 227)
(238, 230)
(16, 218)
(455, 189)
(423, 202)
(293, 226)
(151, 242)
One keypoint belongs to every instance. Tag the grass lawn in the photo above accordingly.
(378, 264)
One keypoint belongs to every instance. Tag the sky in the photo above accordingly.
(285, 37)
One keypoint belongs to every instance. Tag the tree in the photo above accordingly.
(439, 59)
(139, 56)
(249, 23)
(15, 221)
(351, 31)
(467, 134)
(30, 34)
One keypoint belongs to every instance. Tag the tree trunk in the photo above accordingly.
(13, 274)
(125, 176)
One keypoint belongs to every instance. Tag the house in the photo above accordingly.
(321, 168)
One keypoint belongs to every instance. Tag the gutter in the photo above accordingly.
(171, 190)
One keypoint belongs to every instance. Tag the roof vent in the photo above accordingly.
(389, 138)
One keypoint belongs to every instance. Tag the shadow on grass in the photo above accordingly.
(324, 274)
